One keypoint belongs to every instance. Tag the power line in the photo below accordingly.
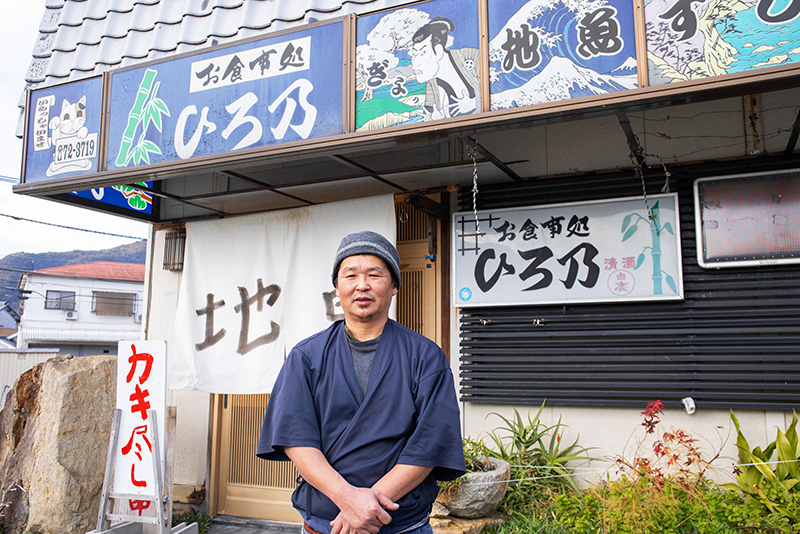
(70, 227)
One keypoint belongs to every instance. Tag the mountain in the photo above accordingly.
(562, 79)
(627, 68)
(11, 265)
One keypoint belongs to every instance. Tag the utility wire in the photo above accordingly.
(70, 227)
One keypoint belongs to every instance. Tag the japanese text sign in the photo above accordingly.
(690, 39)
(602, 251)
(283, 88)
(141, 387)
(237, 320)
(63, 130)
(550, 51)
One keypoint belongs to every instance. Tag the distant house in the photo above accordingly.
(9, 319)
(82, 309)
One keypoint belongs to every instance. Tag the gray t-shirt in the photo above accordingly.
(363, 357)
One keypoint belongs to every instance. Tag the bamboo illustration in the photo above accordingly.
(134, 117)
(629, 228)
(656, 250)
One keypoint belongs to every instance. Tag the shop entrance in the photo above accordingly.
(246, 486)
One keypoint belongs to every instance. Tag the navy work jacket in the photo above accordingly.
(409, 415)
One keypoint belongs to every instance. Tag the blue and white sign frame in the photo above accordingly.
(256, 93)
(63, 134)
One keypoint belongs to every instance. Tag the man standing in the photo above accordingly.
(365, 409)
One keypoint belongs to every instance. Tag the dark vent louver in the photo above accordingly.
(734, 342)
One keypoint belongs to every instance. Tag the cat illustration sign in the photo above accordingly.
(63, 130)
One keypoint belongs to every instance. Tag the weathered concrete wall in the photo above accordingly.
(54, 431)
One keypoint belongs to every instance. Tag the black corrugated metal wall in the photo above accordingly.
(734, 342)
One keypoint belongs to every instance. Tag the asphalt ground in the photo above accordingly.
(223, 524)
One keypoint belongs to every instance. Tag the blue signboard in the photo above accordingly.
(276, 90)
(63, 130)
(121, 196)
(551, 51)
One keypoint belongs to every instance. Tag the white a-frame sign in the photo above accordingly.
(138, 479)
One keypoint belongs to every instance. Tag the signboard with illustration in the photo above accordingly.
(121, 196)
(417, 64)
(280, 89)
(602, 251)
(687, 40)
(63, 130)
(546, 52)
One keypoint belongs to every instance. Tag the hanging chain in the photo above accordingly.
(637, 169)
(404, 212)
(475, 191)
(667, 174)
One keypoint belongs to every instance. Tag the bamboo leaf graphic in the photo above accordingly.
(151, 115)
(161, 106)
(668, 228)
(671, 283)
(630, 232)
(625, 222)
(639, 261)
(150, 146)
(139, 154)
(134, 117)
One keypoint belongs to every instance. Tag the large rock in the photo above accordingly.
(54, 431)
(480, 493)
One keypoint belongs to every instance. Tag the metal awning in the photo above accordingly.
(80, 335)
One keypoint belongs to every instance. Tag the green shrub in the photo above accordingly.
(519, 523)
(192, 516)
(538, 460)
(773, 490)
(662, 489)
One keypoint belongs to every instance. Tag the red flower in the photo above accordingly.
(651, 415)
(653, 408)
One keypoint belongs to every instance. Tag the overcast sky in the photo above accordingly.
(18, 32)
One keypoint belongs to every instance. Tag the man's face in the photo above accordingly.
(425, 59)
(365, 288)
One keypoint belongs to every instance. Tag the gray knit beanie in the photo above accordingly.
(368, 243)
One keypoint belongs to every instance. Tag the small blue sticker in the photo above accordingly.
(465, 294)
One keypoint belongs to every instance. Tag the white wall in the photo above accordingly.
(192, 437)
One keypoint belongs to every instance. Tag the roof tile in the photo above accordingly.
(83, 38)
(100, 270)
